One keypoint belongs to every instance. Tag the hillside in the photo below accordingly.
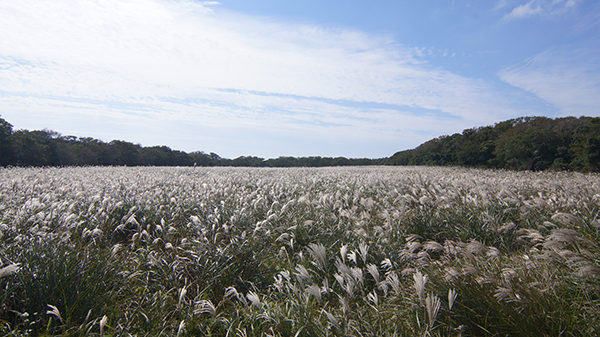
(526, 143)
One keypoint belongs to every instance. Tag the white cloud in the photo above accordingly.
(98, 48)
(566, 77)
(186, 61)
(546, 8)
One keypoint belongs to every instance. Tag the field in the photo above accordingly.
(355, 251)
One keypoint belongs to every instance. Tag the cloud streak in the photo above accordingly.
(565, 77)
(546, 8)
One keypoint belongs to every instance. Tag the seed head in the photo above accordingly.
(420, 281)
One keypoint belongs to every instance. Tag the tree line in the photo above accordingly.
(49, 148)
(525, 143)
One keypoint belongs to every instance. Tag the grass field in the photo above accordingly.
(355, 251)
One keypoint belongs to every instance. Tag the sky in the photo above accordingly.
(270, 78)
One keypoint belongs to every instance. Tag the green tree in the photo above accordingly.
(34, 148)
(6, 130)
(125, 153)
(586, 147)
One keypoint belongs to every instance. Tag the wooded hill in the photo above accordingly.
(526, 143)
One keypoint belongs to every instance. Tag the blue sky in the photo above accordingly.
(273, 78)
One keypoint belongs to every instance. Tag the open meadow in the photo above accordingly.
(340, 251)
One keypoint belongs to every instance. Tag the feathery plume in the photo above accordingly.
(318, 253)
(181, 328)
(419, 284)
(451, 298)
(343, 252)
(182, 293)
(255, 300)
(332, 320)
(363, 250)
(10, 270)
(54, 312)
(205, 306)
(103, 322)
(433, 307)
(372, 269)
(314, 290)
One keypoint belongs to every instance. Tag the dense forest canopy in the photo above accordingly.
(525, 143)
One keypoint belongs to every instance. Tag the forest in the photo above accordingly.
(525, 143)
(49, 148)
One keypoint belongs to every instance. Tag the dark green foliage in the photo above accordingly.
(5, 142)
(526, 143)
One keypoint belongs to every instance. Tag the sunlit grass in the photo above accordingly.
(369, 251)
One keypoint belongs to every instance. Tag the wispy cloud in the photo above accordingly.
(565, 77)
(195, 62)
(547, 8)
(589, 20)
(500, 4)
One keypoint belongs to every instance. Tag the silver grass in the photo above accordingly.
(342, 268)
(566, 219)
(387, 265)
(302, 273)
(419, 283)
(588, 271)
(352, 257)
(205, 306)
(373, 298)
(433, 307)
(343, 252)
(279, 284)
(340, 279)
(54, 312)
(103, 322)
(476, 247)
(470, 270)
(116, 248)
(363, 249)
(503, 293)
(332, 320)
(314, 290)
(181, 328)
(433, 247)
(10, 270)
(357, 273)
(345, 305)
(231, 292)
(318, 253)
(96, 233)
(182, 293)
(372, 269)
(493, 252)
(567, 236)
(451, 298)
(393, 280)
(408, 271)
(413, 246)
(255, 300)
(349, 288)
